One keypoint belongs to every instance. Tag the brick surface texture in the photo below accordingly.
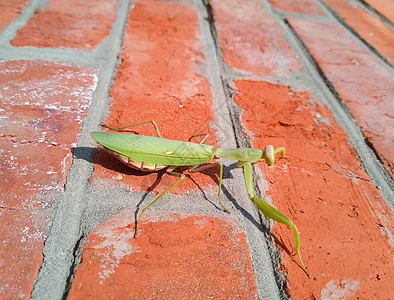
(385, 7)
(364, 100)
(163, 81)
(370, 28)
(10, 10)
(313, 76)
(43, 104)
(80, 24)
(163, 249)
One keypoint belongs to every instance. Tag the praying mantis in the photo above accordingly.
(150, 154)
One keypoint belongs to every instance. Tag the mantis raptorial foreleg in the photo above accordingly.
(270, 211)
(182, 176)
(135, 124)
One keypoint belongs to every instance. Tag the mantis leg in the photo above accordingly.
(140, 123)
(281, 150)
(182, 176)
(220, 185)
(200, 134)
(203, 167)
(270, 211)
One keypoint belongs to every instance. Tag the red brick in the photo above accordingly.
(42, 105)
(344, 223)
(74, 24)
(9, 10)
(246, 43)
(385, 7)
(298, 6)
(174, 257)
(161, 78)
(368, 26)
(365, 85)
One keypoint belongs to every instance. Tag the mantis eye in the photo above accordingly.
(269, 155)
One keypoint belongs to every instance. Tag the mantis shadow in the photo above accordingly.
(85, 153)
(103, 158)
(282, 245)
(106, 160)
(226, 175)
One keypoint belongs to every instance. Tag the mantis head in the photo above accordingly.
(270, 152)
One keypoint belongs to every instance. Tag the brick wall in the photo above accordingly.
(315, 77)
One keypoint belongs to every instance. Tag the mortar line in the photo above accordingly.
(219, 64)
(376, 13)
(336, 16)
(52, 281)
(268, 279)
(76, 253)
(79, 56)
(20, 21)
(65, 55)
(223, 74)
(334, 102)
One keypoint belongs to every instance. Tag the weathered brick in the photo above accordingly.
(298, 6)
(73, 24)
(42, 105)
(385, 7)
(174, 257)
(321, 185)
(9, 10)
(368, 26)
(365, 85)
(344, 223)
(161, 78)
(246, 43)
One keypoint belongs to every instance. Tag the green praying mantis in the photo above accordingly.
(150, 154)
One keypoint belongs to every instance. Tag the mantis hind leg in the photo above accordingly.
(220, 186)
(206, 135)
(270, 211)
(203, 167)
(182, 176)
(135, 124)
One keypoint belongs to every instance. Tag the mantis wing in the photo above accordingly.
(155, 150)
